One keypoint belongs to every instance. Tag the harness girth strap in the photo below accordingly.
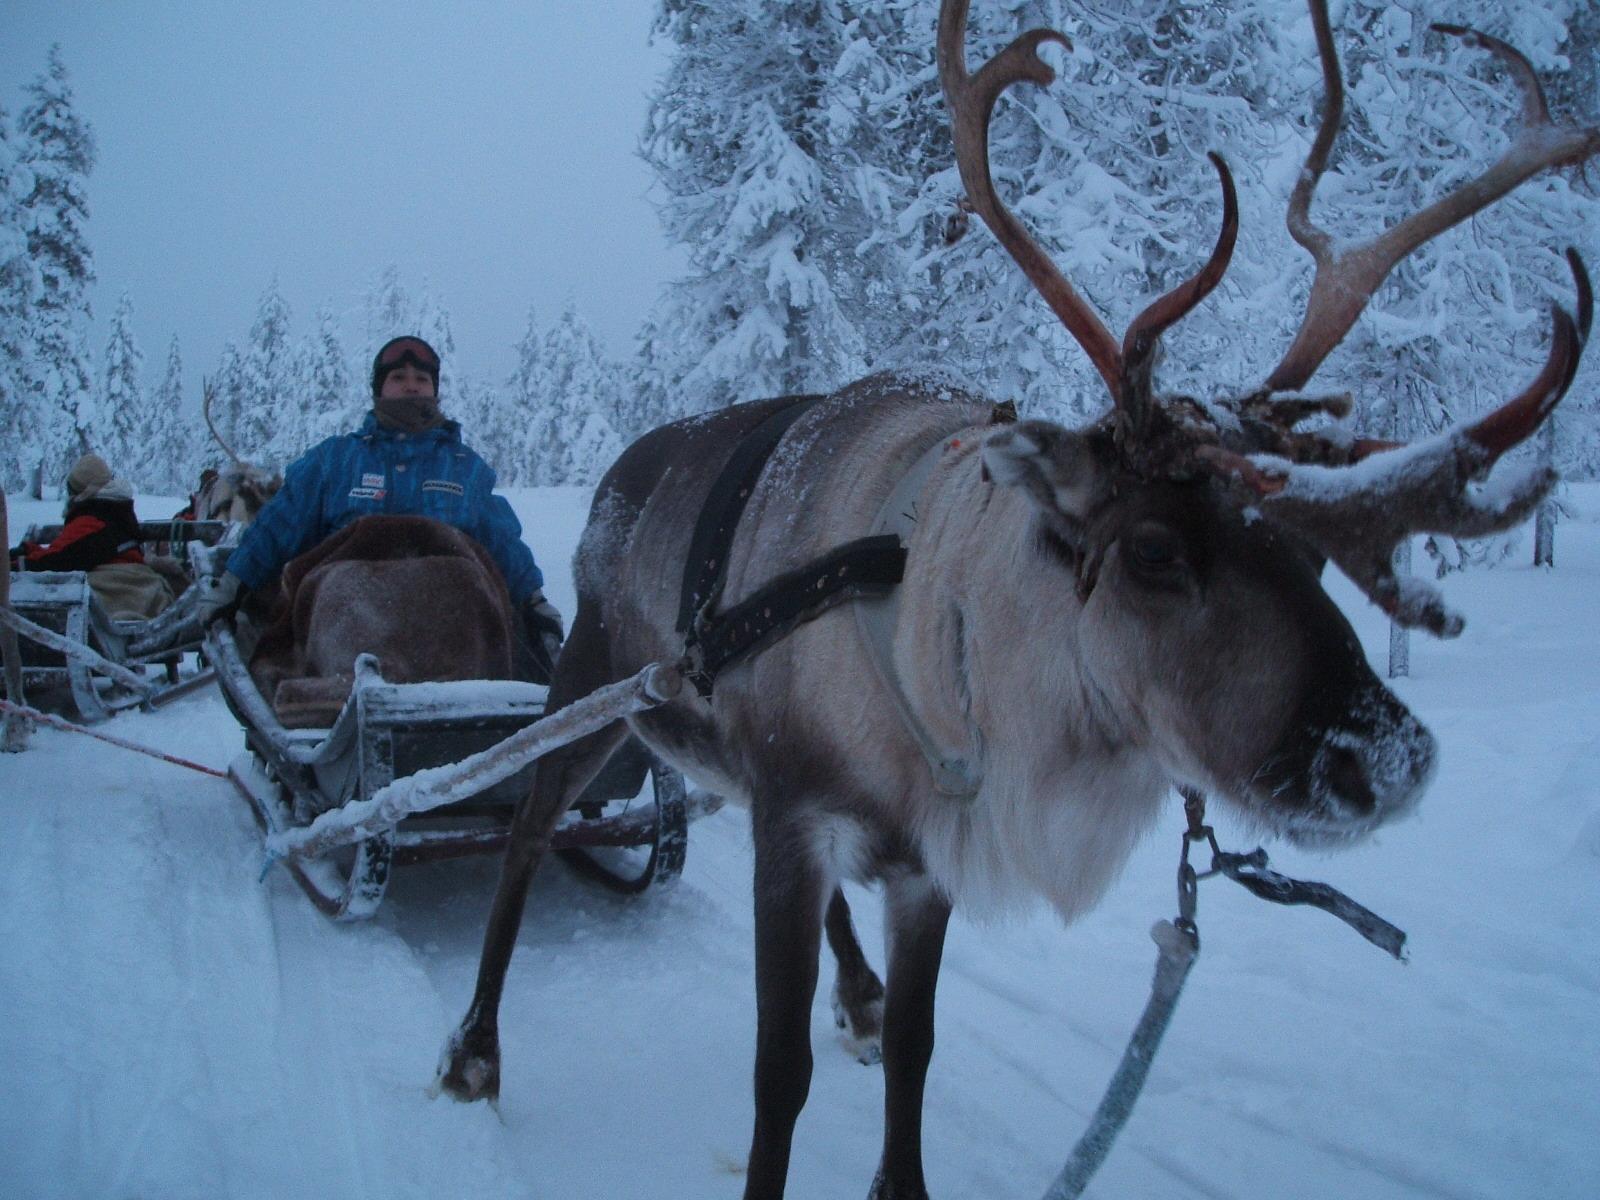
(714, 641)
(868, 566)
(706, 568)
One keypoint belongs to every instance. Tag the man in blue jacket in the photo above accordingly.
(406, 458)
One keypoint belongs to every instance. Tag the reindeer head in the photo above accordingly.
(1193, 532)
(239, 490)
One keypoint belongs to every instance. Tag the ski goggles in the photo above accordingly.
(408, 350)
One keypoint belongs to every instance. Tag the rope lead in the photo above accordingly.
(68, 726)
(1178, 943)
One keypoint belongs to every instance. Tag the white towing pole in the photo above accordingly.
(435, 786)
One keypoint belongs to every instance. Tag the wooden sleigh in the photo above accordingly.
(434, 771)
(72, 647)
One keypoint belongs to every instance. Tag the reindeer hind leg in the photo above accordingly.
(857, 990)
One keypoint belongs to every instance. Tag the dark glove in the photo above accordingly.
(542, 635)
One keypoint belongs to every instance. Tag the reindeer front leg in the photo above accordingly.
(917, 917)
(470, 1066)
(790, 894)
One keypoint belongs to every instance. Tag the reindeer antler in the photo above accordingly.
(1126, 371)
(1352, 500)
(1358, 513)
(205, 411)
(1357, 516)
(1347, 275)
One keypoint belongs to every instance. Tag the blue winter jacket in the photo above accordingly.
(378, 470)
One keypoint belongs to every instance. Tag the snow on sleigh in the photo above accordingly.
(385, 726)
(73, 645)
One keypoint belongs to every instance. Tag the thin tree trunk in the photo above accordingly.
(1399, 635)
(1544, 521)
(14, 728)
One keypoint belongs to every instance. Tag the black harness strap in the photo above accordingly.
(707, 565)
(714, 641)
(868, 566)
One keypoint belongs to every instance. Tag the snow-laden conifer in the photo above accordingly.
(581, 387)
(125, 434)
(565, 394)
(486, 425)
(228, 397)
(522, 418)
(269, 421)
(331, 400)
(183, 445)
(389, 310)
(57, 147)
(433, 326)
(21, 430)
(739, 135)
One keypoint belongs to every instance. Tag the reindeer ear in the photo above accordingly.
(1055, 466)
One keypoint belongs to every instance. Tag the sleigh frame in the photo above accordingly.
(629, 829)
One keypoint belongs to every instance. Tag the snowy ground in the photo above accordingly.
(175, 1028)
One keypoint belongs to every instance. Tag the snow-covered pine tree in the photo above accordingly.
(124, 430)
(486, 427)
(57, 147)
(738, 135)
(269, 420)
(180, 436)
(390, 311)
(21, 435)
(433, 325)
(228, 398)
(564, 398)
(580, 391)
(523, 415)
(1570, 438)
(331, 400)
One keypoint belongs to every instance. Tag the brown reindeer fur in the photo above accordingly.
(426, 599)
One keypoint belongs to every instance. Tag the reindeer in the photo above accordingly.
(239, 490)
(1087, 617)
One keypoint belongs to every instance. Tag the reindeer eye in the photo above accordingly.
(1154, 550)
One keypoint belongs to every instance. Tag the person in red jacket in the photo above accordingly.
(100, 531)
(100, 525)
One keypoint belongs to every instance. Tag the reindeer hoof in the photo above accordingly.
(469, 1069)
(860, 1022)
(883, 1190)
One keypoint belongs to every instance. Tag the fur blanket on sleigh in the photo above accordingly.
(423, 597)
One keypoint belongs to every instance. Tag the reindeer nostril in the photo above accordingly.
(1346, 777)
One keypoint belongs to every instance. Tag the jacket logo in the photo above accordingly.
(444, 485)
(367, 493)
(370, 480)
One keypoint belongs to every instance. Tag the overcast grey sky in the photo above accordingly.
(488, 148)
